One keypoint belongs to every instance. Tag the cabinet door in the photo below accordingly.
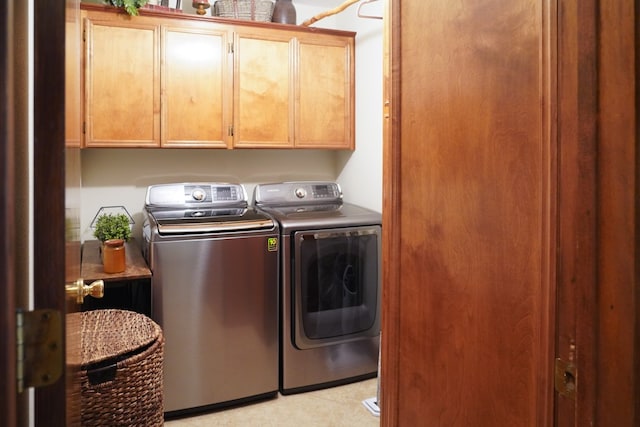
(325, 92)
(122, 83)
(196, 87)
(263, 100)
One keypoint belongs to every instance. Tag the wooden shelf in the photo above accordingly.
(92, 264)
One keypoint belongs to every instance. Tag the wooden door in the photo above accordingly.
(48, 196)
(469, 215)
(263, 89)
(53, 407)
(56, 404)
(196, 86)
(122, 81)
(9, 401)
(325, 92)
(584, 306)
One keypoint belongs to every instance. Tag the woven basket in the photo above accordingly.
(121, 371)
(251, 10)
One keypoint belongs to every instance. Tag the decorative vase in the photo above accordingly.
(284, 12)
(113, 256)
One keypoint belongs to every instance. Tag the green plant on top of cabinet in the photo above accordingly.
(131, 6)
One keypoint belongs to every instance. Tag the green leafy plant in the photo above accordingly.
(131, 6)
(112, 226)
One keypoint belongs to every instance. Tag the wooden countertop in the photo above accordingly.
(92, 264)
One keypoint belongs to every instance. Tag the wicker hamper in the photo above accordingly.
(121, 370)
(253, 10)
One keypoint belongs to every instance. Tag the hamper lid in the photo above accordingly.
(107, 334)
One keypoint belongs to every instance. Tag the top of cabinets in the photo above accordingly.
(120, 14)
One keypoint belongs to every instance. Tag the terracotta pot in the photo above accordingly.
(113, 256)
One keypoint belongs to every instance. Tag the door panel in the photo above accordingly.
(196, 95)
(325, 82)
(263, 92)
(471, 290)
(122, 104)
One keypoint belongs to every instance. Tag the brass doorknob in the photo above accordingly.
(79, 290)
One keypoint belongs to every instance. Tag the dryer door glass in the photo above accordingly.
(337, 283)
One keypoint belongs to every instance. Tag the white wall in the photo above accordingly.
(359, 172)
(120, 176)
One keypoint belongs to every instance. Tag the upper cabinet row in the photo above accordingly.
(157, 81)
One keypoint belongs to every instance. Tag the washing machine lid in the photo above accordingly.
(198, 221)
(322, 216)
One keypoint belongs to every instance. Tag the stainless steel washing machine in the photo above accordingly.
(215, 294)
(330, 284)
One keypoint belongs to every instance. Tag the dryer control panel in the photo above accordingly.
(297, 193)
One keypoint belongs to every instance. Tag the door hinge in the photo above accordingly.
(565, 378)
(39, 347)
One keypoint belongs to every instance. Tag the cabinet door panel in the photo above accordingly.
(195, 96)
(263, 91)
(122, 91)
(324, 93)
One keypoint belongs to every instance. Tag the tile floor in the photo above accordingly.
(332, 407)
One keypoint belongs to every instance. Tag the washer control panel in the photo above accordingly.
(181, 195)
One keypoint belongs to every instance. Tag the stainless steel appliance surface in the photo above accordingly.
(214, 261)
(330, 284)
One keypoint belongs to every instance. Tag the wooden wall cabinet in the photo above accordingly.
(324, 92)
(263, 93)
(293, 90)
(196, 86)
(122, 82)
(159, 81)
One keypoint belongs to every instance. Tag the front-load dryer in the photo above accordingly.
(330, 284)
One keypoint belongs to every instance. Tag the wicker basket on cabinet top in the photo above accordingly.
(251, 10)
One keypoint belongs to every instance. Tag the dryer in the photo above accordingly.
(330, 284)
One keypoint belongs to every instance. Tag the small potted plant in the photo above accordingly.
(131, 6)
(113, 231)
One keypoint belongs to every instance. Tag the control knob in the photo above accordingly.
(198, 194)
(300, 193)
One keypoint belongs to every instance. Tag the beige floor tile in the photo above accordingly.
(334, 407)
